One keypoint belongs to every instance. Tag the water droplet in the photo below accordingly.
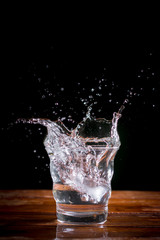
(125, 101)
(90, 96)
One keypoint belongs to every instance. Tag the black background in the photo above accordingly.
(46, 51)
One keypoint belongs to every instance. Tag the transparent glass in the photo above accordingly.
(81, 166)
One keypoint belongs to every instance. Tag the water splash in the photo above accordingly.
(123, 106)
(77, 157)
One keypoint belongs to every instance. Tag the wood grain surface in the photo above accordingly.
(31, 214)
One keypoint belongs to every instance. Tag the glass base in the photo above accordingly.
(82, 214)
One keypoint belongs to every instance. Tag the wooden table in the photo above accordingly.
(31, 214)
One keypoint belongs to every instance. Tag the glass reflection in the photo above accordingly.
(80, 232)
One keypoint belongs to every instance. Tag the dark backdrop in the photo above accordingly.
(50, 63)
